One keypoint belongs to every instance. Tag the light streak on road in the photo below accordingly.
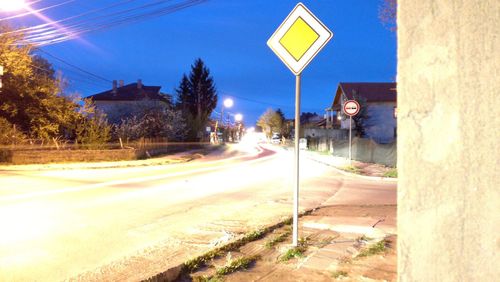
(221, 165)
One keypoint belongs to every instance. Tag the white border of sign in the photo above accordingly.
(357, 105)
(324, 36)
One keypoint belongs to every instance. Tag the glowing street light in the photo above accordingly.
(238, 117)
(228, 103)
(12, 5)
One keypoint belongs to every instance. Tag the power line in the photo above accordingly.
(22, 30)
(46, 34)
(73, 66)
(36, 11)
(117, 22)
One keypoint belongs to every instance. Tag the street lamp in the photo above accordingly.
(12, 5)
(238, 118)
(228, 103)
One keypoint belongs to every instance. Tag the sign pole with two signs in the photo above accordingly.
(296, 42)
(351, 108)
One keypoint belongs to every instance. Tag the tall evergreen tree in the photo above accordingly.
(182, 99)
(197, 97)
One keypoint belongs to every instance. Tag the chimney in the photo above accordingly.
(120, 83)
(114, 86)
(139, 84)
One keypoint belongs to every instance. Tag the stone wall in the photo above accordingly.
(448, 147)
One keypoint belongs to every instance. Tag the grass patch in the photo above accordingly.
(207, 279)
(364, 238)
(288, 221)
(392, 173)
(375, 249)
(351, 168)
(193, 264)
(278, 239)
(339, 274)
(237, 264)
(296, 252)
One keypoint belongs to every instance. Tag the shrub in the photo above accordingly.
(9, 134)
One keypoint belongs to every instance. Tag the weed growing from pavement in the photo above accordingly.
(296, 252)
(193, 264)
(351, 168)
(278, 239)
(288, 221)
(364, 238)
(375, 249)
(237, 264)
(393, 173)
(339, 274)
(207, 279)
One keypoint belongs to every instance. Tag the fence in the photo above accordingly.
(338, 134)
(37, 153)
(364, 150)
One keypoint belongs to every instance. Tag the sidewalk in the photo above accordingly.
(337, 243)
(355, 168)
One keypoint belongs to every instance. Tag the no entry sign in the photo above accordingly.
(351, 108)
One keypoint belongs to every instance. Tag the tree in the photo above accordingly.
(361, 119)
(270, 122)
(32, 98)
(388, 14)
(285, 129)
(92, 130)
(197, 98)
(306, 117)
(9, 135)
(155, 122)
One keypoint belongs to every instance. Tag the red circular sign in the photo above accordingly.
(351, 108)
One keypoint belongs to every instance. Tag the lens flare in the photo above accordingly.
(12, 5)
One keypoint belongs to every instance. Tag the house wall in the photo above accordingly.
(448, 140)
(116, 110)
(380, 124)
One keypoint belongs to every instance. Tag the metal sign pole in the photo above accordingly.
(350, 140)
(295, 241)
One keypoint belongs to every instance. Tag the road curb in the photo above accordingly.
(174, 272)
(343, 172)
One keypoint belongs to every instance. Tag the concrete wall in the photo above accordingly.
(338, 134)
(448, 147)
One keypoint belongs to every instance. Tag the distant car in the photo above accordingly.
(275, 140)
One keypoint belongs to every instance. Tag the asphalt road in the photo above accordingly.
(127, 224)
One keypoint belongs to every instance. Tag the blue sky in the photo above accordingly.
(230, 36)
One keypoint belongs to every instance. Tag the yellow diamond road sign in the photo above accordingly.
(299, 38)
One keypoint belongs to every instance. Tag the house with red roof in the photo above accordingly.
(379, 98)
